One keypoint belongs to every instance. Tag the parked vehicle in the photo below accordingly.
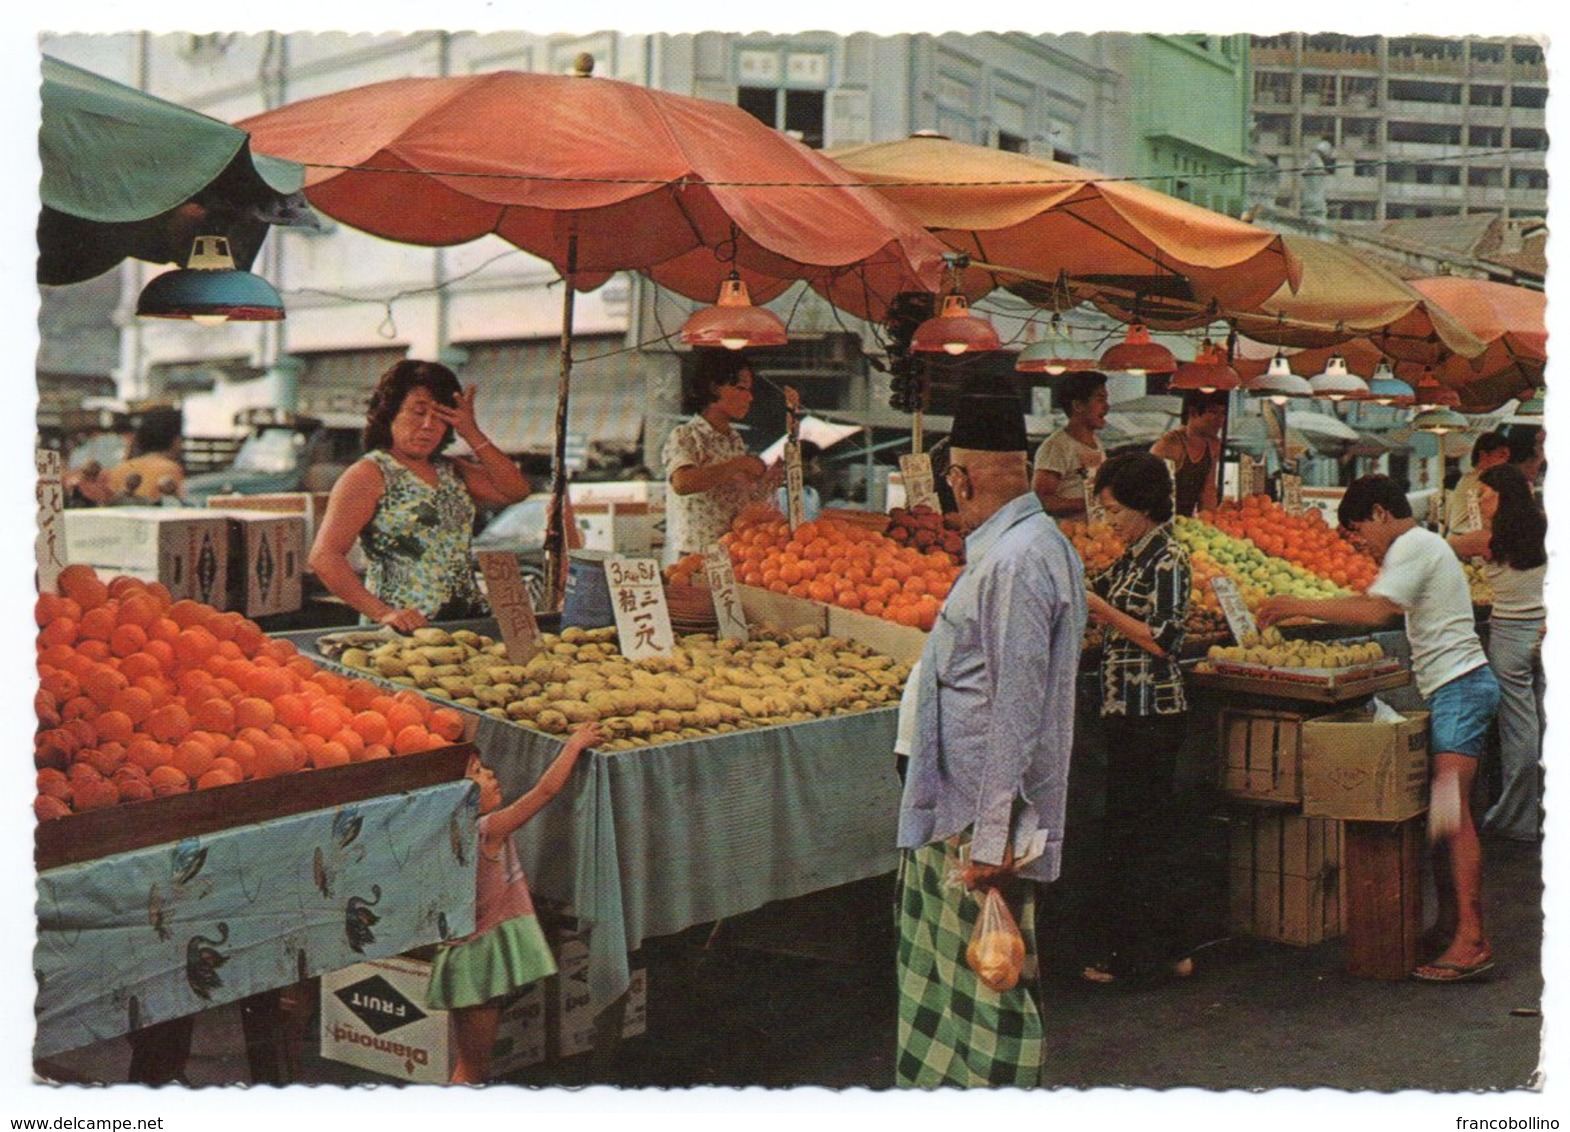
(281, 452)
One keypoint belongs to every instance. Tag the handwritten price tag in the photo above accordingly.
(1094, 511)
(795, 504)
(1240, 619)
(510, 602)
(722, 587)
(643, 620)
(49, 546)
(1291, 493)
(915, 471)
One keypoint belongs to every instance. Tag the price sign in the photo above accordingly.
(916, 473)
(722, 586)
(1240, 619)
(1474, 510)
(643, 620)
(795, 505)
(1291, 493)
(49, 546)
(509, 601)
(1245, 475)
(1094, 511)
(1172, 479)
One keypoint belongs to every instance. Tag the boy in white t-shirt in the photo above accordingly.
(1070, 456)
(1421, 577)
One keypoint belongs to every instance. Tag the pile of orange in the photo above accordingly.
(843, 564)
(688, 570)
(1305, 539)
(1095, 543)
(140, 695)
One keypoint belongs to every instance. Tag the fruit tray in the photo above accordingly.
(1318, 685)
(1328, 677)
(136, 825)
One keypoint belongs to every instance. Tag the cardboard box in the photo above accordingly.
(1261, 754)
(572, 1028)
(651, 492)
(1358, 769)
(266, 562)
(185, 548)
(1285, 876)
(309, 505)
(374, 1016)
(622, 528)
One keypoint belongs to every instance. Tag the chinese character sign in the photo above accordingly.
(916, 473)
(643, 620)
(722, 586)
(795, 506)
(49, 546)
(510, 602)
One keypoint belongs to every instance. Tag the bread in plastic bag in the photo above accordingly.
(996, 952)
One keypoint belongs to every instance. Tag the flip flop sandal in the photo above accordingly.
(1440, 972)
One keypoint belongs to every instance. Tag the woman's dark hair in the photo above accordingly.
(712, 369)
(396, 385)
(1140, 482)
(1520, 529)
(1367, 492)
(1075, 386)
(1197, 401)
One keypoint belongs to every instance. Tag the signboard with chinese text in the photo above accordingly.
(643, 620)
(510, 603)
(49, 546)
(1291, 493)
(916, 473)
(722, 586)
(795, 504)
(1240, 619)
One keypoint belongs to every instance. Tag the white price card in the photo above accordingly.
(1240, 619)
(722, 587)
(1291, 493)
(510, 603)
(915, 471)
(1474, 510)
(1172, 479)
(643, 620)
(49, 546)
(1245, 475)
(795, 504)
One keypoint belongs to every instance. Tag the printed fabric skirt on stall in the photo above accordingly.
(954, 1030)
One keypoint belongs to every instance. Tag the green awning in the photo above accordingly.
(129, 174)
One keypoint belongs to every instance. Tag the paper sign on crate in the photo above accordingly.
(511, 604)
(643, 620)
(795, 503)
(1240, 619)
(1291, 493)
(49, 547)
(722, 587)
(916, 472)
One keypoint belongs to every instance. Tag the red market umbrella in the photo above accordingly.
(598, 176)
(1024, 221)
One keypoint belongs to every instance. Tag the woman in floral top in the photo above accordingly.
(1141, 601)
(713, 477)
(411, 508)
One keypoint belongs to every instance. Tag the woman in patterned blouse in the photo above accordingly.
(713, 478)
(411, 508)
(1141, 601)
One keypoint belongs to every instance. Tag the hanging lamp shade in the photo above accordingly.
(1338, 382)
(1385, 388)
(1533, 406)
(1439, 421)
(1049, 358)
(1138, 354)
(1279, 382)
(1430, 394)
(954, 330)
(1207, 373)
(210, 290)
(733, 323)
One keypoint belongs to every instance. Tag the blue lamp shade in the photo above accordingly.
(210, 289)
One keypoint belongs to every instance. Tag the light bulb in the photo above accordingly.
(209, 319)
(733, 343)
(954, 348)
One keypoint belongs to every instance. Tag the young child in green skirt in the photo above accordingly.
(507, 950)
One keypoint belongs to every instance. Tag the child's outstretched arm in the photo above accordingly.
(510, 818)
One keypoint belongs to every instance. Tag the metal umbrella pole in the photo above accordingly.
(556, 522)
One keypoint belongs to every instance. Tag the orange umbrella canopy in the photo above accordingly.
(683, 189)
(1343, 295)
(1026, 220)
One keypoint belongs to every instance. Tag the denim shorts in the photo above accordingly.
(1462, 712)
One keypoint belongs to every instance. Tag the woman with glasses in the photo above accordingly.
(411, 507)
(1141, 601)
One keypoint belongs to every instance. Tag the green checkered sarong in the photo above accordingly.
(953, 1030)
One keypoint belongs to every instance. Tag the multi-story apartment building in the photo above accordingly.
(1419, 127)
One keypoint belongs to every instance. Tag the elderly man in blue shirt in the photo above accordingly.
(987, 781)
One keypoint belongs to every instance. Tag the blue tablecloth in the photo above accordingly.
(650, 841)
(158, 933)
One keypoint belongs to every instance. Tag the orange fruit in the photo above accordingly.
(168, 780)
(194, 757)
(252, 712)
(163, 629)
(371, 726)
(136, 704)
(60, 631)
(187, 613)
(267, 683)
(139, 609)
(325, 719)
(248, 636)
(139, 664)
(401, 715)
(93, 794)
(81, 584)
(101, 684)
(53, 782)
(94, 650)
(447, 723)
(195, 683)
(126, 639)
(331, 753)
(147, 753)
(412, 739)
(214, 714)
(229, 766)
(194, 645)
(372, 752)
(349, 739)
(215, 777)
(223, 625)
(280, 650)
(170, 723)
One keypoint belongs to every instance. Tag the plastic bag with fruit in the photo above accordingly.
(997, 950)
